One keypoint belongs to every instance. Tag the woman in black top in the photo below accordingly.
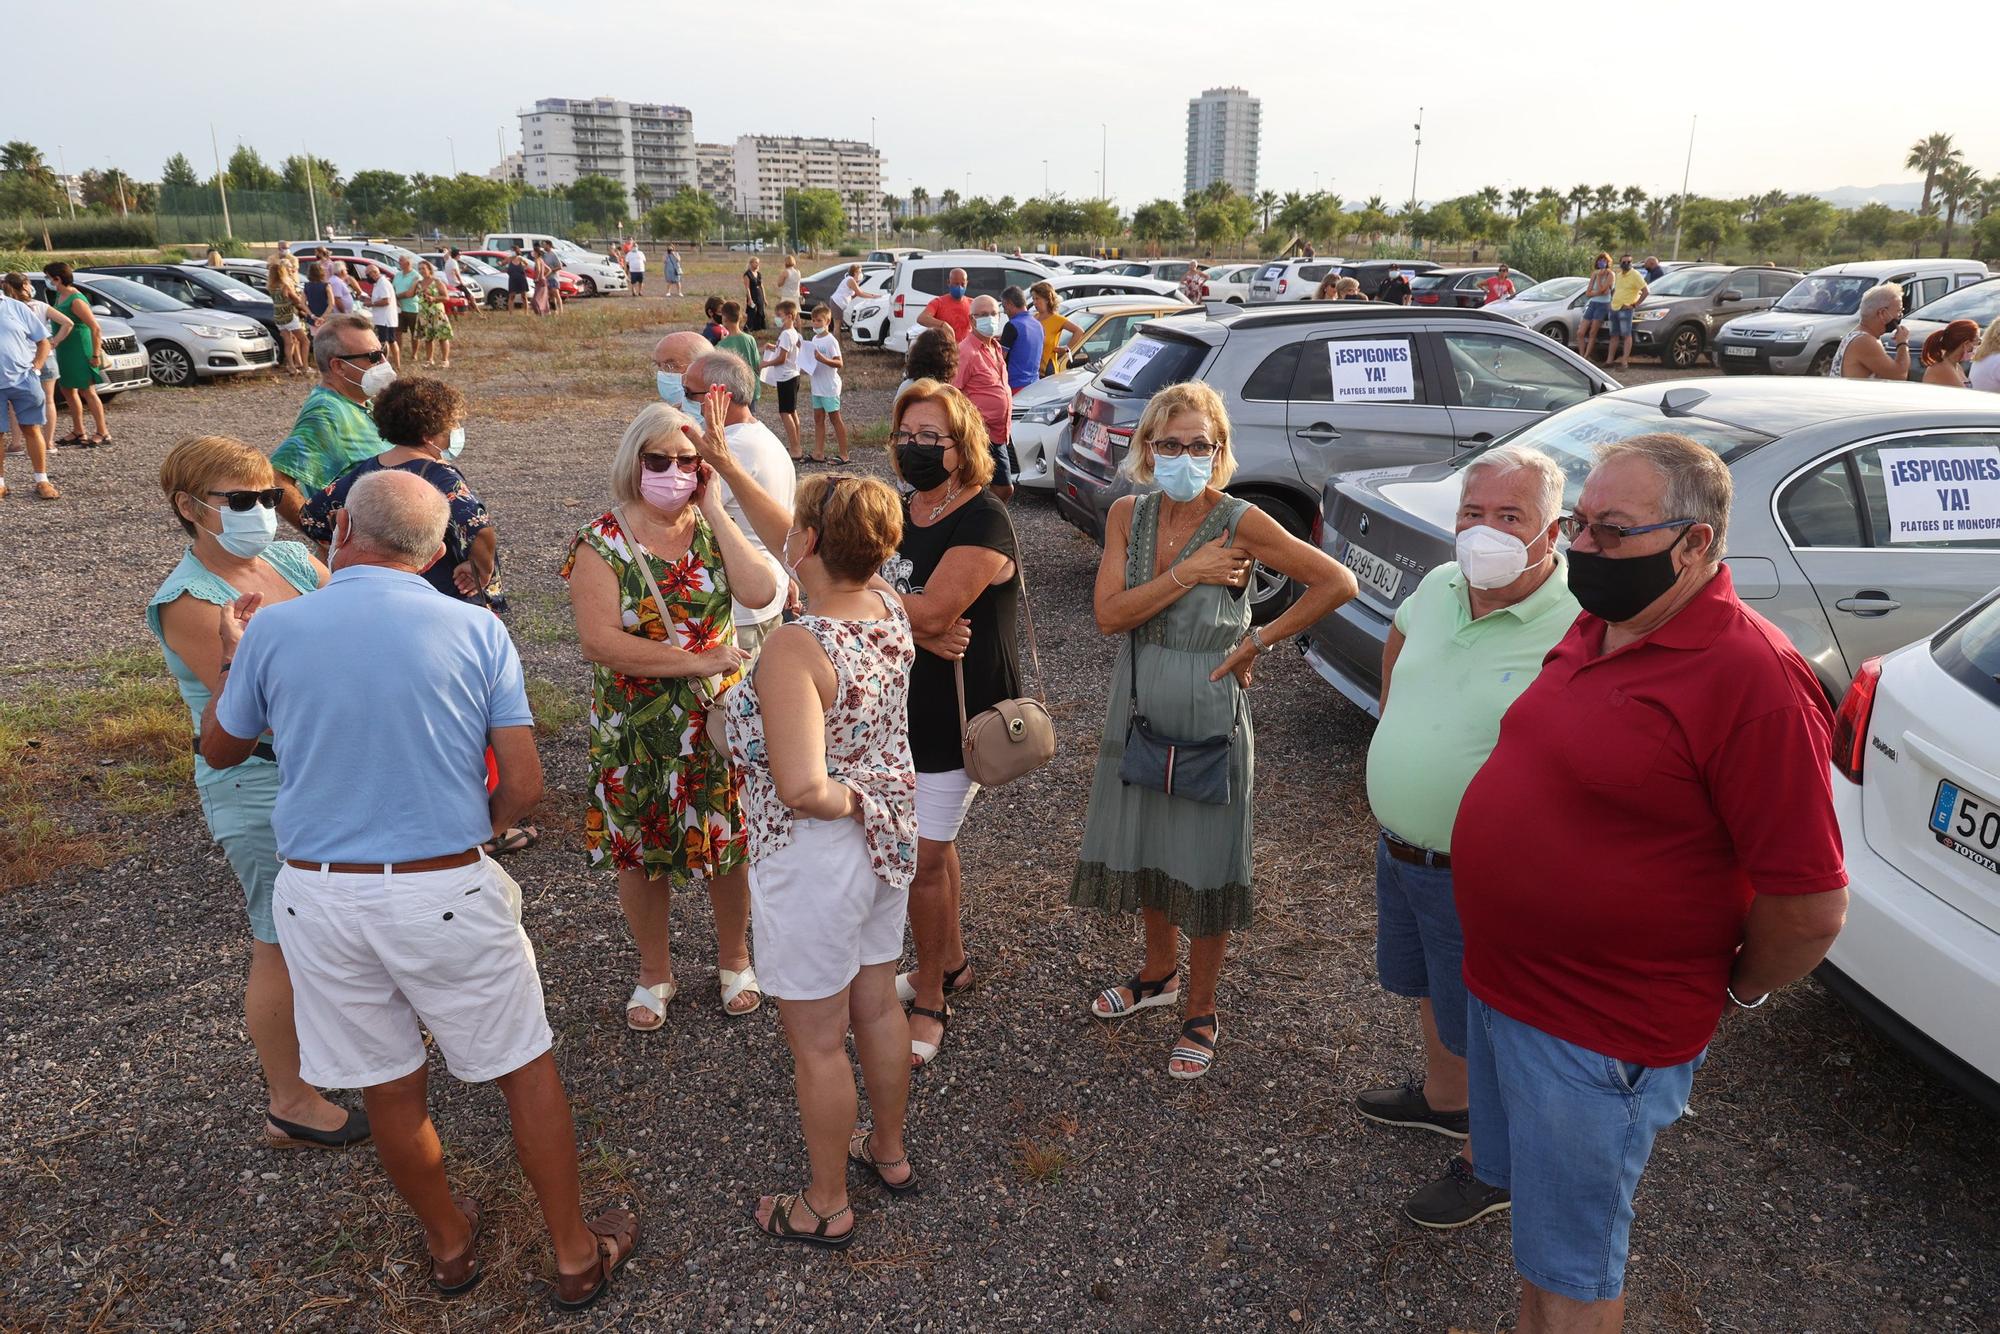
(956, 574)
(517, 281)
(753, 305)
(318, 298)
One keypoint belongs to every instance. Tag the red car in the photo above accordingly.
(566, 282)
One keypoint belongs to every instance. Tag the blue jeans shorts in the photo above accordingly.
(28, 399)
(1621, 323)
(1419, 951)
(1597, 308)
(1568, 1130)
(237, 805)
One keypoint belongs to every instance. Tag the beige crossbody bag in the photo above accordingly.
(1015, 736)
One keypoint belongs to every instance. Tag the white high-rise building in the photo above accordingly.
(715, 169)
(1222, 130)
(767, 165)
(648, 147)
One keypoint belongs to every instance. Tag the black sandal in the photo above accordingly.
(778, 1223)
(944, 1026)
(1145, 995)
(517, 839)
(859, 1150)
(1194, 1048)
(352, 1131)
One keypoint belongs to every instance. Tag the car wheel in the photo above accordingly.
(586, 285)
(169, 365)
(1555, 331)
(496, 300)
(1235, 300)
(1684, 348)
(1822, 361)
(1271, 592)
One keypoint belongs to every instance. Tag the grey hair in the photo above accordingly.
(1882, 296)
(726, 369)
(1505, 459)
(1699, 485)
(655, 421)
(398, 514)
(326, 338)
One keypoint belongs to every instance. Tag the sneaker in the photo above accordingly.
(1405, 1106)
(47, 491)
(1455, 1199)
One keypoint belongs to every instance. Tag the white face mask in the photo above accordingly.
(377, 378)
(1490, 558)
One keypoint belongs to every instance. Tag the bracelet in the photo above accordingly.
(1177, 579)
(1748, 1005)
(1257, 638)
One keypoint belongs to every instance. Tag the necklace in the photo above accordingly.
(944, 504)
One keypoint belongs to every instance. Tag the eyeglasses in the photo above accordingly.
(243, 501)
(365, 358)
(1169, 448)
(667, 462)
(1609, 535)
(927, 439)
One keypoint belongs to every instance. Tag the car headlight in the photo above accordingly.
(1648, 316)
(1048, 414)
(208, 331)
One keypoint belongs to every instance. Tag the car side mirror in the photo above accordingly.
(99, 308)
(1730, 294)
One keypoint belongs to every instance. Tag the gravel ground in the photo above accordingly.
(1823, 1182)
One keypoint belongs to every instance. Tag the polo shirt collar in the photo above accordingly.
(356, 573)
(1554, 590)
(1694, 626)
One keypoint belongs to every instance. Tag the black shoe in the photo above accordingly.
(1405, 1106)
(1455, 1199)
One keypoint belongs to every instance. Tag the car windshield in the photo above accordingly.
(1980, 303)
(136, 295)
(1689, 282)
(472, 265)
(1571, 437)
(1830, 295)
(1555, 289)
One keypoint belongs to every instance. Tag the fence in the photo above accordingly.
(194, 214)
(538, 214)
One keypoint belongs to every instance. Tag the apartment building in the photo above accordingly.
(513, 167)
(715, 172)
(648, 147)
(1222, 133)
(767, 165)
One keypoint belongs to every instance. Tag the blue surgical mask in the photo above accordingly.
(989, 325)
(956, 291)
(456, 445)
(246, 533)
(670, 388)
(1182, 478)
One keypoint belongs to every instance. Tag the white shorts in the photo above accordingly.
(819, 913)
(297, 325)
(375, 958)
(942, 801)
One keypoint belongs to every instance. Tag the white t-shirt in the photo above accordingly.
(383, 291)
(846, 292)
(1985, 374)
(825, 379)
(453, 276)
(765, 459)
(635, 260)
(786, 367)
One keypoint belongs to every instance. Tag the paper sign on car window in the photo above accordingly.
(1132, 360)
(1943, 494)
(1372, 370)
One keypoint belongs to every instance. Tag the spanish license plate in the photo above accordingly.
(1092, 439)
(1382, 578)
(1739, 351)
(1968, 825)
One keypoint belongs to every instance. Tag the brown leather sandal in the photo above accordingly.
(617, 1232)
(459, 1273)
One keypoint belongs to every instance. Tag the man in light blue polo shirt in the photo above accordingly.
(382, 696)
(24, 349)
(1465, 645)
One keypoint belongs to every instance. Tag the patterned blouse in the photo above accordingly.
(867, 742)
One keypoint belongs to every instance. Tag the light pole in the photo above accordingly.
(1680, 209)
(1417, 157)
(220, 189)
(63, 161)
(1045, 178)
(1103, 160)
(453, 145)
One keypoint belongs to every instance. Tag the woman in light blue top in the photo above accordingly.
(225, 496)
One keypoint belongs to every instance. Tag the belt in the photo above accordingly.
(263, 750)
(1416, 856)
(444, 863)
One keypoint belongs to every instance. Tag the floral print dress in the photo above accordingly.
(662, 799)
(433, 320)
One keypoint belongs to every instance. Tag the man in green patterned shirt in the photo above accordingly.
(334, 429)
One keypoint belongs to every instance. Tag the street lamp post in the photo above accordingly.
(1417, 156)
(1103, 160)
(453, 145)
(1045, 178)
(1680, 209)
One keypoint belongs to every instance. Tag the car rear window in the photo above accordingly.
(1970, 650)
(1571, 437)
(1425, 281)
(1149, 363)
(1272, 272)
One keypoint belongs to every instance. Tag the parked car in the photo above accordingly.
(202, 288)
(182, 344)
(890, 322)
(819, 289)
(484, 282)
(567, 283)
(1372, 273)
(250, 271)
(1076, 286)
(1810, 542)
(1544, 307)
(887, 258)
(386, 253)
(1461, 287)
(1166, 270)
(596, 275)
(1799, 334)
(1916, 757)
(1683, 311)
(124, 359)
(1415, 386)
(1292, 279)
(1042, 410)
(1228, 282)
(1979, 302)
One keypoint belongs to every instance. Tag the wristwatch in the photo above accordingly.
(1257, 638)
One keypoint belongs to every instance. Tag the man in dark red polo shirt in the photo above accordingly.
(1651, 840)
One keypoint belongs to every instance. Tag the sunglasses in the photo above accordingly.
(243, 501)
(1609, 535)
(365, 358)
(667, 462)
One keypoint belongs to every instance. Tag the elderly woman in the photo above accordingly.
(650, 583)
(1174, 582)
(225, 498)
(791, 284)
(1947, 352)
(819, 733)
(433, 318)
(955, 571)
(933, 355)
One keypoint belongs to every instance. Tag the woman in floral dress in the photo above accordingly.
(664, 803)
(433, 320)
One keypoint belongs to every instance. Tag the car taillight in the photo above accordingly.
(899, 305)
(1281, 285)
(1426, 299)
(1204, 289)
(1319, 527)
(1850, 725)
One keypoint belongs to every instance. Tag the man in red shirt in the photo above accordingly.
(1499, 287)
(952, 311)
(1651, 841)
(982, 377)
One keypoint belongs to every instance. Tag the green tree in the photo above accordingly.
(920, 199)
(1267, 200)
(1100, 220)
(1931, 155)
(469, 205)
(597, 201)
(247, 170)
(816, 216)
(1986, 238)
(371, 192)
(1956, 184)
(1519, 198)
(1807, 225)
(1708, 224)
(179, 173)
(20, 156)
(688, 215)
(1871, 224)
(325, 176)
(1160, 221)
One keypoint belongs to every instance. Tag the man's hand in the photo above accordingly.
(1902, 337)
(235, 620)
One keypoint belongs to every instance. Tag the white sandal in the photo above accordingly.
(735, 984)
(654, 1000)
(1110, 1003)
(1194, 1049)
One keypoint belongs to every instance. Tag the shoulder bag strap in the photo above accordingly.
(1027, 614)
(645, 562)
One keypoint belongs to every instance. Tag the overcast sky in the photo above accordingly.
(1548, 96)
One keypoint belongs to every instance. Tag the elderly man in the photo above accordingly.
(982, 377)
(1463, 647)
(24, 349)
(1651, 841)
(333, 430)
(391, 919)
(1860, 355)
(672, 356)
(722, 377)
(951, 310)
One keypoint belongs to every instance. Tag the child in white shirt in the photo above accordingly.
(825, 360)
(781, 368)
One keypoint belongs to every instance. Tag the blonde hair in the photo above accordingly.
(1989, 342)
(858, 519)
(656, 421)
(1188, 396)
(975, 449)
(1346, 287)
(194, 463)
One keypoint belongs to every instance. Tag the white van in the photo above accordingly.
(890, 321)
(1799, 335)
(595, 273)
(1292, 279)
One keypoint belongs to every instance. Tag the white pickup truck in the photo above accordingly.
(596, 274)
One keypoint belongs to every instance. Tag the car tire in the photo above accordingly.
(1555, 331)
(586, 285)
(1684, 348)
(1822, 361)
(496, 299)
(1271, 593)
(169, 365)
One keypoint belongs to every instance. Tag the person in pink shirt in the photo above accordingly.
(1499, 287)
(982, 377)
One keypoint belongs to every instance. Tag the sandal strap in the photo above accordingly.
(1193, 1039)
(823, 1221)
(863, 1143)
(942, 1016)
(951, 978)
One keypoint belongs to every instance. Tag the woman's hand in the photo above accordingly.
(234, 620)
(1216, 563)
(466, 579)
(1241, 663)
(718, 661)
(951, 644)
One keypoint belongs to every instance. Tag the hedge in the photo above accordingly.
(86, 231)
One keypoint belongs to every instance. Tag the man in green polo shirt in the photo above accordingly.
(1464, 646)
(334, 429)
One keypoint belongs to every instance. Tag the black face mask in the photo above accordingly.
(1616, 589)
(923, 468)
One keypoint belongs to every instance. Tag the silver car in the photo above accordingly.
(182, 344)
(1809, 542)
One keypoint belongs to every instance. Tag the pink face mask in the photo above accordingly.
(668, 490)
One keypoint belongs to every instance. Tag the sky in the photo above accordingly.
(997, 100)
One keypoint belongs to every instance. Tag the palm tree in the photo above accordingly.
(1490, 196)
(1633, 197)
(1988, 197)
(1930, 155)
(22, 156)
(1519, 198)
(1376, 204)
(1656, 218)
(1604, 197)
(948, 200)
(1547, 192)
(1956, 182)
(918, 198)
(1578, 198)
(1266, 201)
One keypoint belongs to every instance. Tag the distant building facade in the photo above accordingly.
(715, 171)
(767, 165)
(648, 147)
(1222, 139)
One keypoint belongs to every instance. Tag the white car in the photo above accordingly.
(1038, 423)
(595, 273)
(1916, 755)
(1228, 282)
(1292, 279)
(1799, 335)
(890, 321)
(1072, 286)
(1542, 307)
(1169, 270)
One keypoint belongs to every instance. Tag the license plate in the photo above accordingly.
(1968, 825)
(1090, 438)
(1379, 575)
(1739, 351)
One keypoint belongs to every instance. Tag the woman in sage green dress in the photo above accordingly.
(1175, 579)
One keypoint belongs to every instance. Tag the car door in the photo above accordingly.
(1381, 412)
(1496, 380)
(1881, 584)
(1748, 285)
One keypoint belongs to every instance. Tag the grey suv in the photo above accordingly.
(1678, 319)
(1318, 389)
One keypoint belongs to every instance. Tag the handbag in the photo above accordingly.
(704, 686)
(1015, 736)
(1194, 770)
